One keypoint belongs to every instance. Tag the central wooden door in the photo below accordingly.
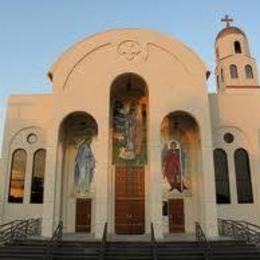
(83, 215)
(176, 216)
(129, 204)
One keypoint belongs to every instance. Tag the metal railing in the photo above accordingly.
(154, 244)
(19, 230)
(54, 241)
(103, 243)
(240, 230)
(202, 239)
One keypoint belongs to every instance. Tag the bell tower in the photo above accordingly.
(235, 69)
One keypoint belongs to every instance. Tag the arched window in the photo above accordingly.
(18, 169)
(218, 81)
(221, 176)
(217, 53)
(249, 72)
(222, 75)
(243, 176)
(237, 47)
(233, 71)
(37, 186)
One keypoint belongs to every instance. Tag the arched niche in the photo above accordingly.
(77, 139)
(128, 119)
(181, 164)
(128, 142)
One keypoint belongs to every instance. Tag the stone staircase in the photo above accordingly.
(177, 250)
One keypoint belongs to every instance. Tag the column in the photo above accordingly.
(102, 168)
(154, 147)
(48, 211)
(208, 216)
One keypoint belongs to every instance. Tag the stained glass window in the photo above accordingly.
(18, 169)
(243, 176)
(37, 186)
(221, 176)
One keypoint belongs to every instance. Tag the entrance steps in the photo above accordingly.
(129, 250)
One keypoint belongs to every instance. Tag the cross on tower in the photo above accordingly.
(228, 20)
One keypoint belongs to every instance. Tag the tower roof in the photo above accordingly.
(230, 30)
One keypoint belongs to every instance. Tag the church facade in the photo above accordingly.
(130, 136)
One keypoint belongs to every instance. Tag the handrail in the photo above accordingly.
(54, 240)
(240, 230)
(203, 242)
(103, 243)
(154, 244)
(19, 230)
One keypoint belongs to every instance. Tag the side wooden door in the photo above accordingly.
(83, 215)
(176, 216)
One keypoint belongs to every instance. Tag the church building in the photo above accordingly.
(131, 136)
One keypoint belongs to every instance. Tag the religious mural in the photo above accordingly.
(129, 132)
(179, 145)
(173, 166)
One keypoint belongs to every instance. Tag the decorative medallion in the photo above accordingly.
(130, 50)
(32, 138)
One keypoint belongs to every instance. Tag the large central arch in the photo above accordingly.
(128, 142)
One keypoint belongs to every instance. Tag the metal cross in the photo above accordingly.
(228, 20)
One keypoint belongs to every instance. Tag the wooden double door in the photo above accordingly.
(83, 215)
(129, 200)
(176, 216)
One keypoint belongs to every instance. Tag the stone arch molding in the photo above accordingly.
(131, 47)
(240, 138)
(20, 139)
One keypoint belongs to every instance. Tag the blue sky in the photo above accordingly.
(35, 32)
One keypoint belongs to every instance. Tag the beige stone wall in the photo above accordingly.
(236, 112)
(25, 115)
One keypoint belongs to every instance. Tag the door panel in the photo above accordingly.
(176, 216)
(129, 205)
(83, 215)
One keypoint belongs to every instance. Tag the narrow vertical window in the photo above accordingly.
(217, 53)
(17, 176)
(222, 75)
(249, 72)
(237, 47)
(243, 176)
(233, 71)
(221, 176)
(218, 81)
(37, 186)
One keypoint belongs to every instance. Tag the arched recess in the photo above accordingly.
(181, 166)
(77, 136)
(128, 135)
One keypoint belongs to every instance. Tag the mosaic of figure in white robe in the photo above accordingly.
(84, 167)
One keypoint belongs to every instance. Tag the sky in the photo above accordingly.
(33, 33)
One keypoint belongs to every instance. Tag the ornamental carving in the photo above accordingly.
(130, 50)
